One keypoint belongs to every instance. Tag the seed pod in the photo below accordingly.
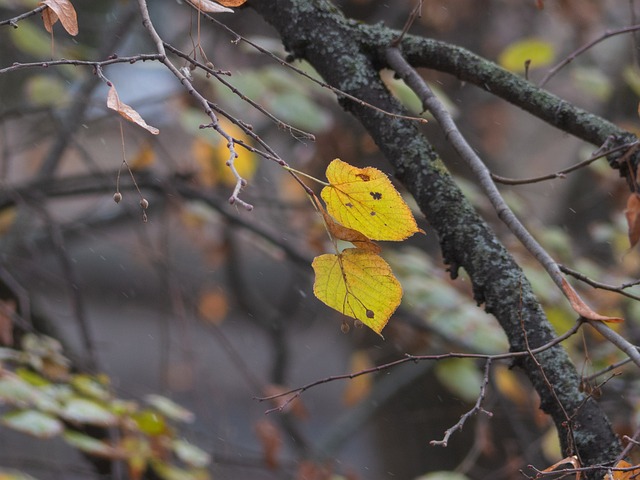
(117, 197)
(144, 203)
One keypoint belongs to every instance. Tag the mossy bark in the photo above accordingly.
(348, 55)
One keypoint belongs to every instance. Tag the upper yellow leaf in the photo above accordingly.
(358, 284)
(341, 232)
(365, 200)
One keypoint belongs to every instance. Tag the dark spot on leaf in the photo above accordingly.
(369, 313)
(348, 204)
(376, 195)
(364, 177)
(372, 213)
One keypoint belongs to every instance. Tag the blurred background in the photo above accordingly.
(211, 306)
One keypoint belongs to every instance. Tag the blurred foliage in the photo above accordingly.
(40, 396)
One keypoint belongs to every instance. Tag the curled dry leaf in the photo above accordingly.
(60, 10)
(114, 103)
(582, 308)
(633, 218)
(209, 6)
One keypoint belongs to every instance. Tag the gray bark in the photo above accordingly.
(349, 56)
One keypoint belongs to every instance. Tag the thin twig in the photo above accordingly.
(88, 63)
(296, 392)
(483, 177)
(573, 55)
(14, 21)
(415, 13)
(320, 83)
(477, 408)
(295, 132)
(159, 43)
(595, 284)
(563, 173)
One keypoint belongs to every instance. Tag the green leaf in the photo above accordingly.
(443, 475)
(90, 445)
(14, 475)
(169, 408)
(82, 410)
(16, 391)
(170, 472)
(91, 387)
(190, 454)
(539, 52)
(31, 40)
(461, 377)
(150, 422)
(45, 90)
(33, 422)
(31, 377)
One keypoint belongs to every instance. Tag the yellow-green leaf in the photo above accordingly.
(365, 200)
(358, 284)
(539, 52)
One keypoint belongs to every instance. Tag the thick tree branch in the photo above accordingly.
(349, 59)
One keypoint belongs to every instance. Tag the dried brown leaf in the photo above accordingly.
(7, 308)
(271, 441)
(60, 10)
(209, 6)
(231, 3)
(581, 308)
(114, 103)
(633, 218)
(623, 474)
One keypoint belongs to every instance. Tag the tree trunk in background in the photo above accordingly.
(342, 52)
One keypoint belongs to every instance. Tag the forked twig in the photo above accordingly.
(477, 408)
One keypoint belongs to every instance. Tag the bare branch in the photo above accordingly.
(477, 408)
(483, 177)
(14, 21)
(571, 57)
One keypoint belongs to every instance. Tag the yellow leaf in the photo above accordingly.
(62, 10)
(358, 284)
(144, 158)
(114, 103)
(340, 232)
(365, 200)
(360, 386)
(539, 52)
(509, 386)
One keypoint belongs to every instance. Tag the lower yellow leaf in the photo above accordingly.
(358, 284)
